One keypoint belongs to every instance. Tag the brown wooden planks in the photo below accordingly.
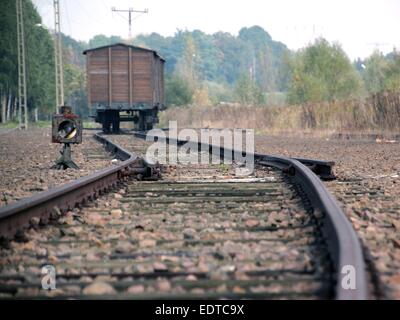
(122, 74)
(99, 88)
(98, 76)
(130, 84)
(109, 76)
(141, 71)
(88, 82)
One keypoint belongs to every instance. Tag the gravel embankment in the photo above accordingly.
(368, 187)
(201, 232)
(27, 156)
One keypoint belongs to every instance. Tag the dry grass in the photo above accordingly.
(378, 114)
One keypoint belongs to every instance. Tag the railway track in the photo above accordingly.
(199, 232)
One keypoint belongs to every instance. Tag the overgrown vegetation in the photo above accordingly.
(247, 92)
(381, 73)
(40, 65)
(179, 92)
(378, 113)
(322, 72)
(39, 60)
(247, 66)
(323, 86)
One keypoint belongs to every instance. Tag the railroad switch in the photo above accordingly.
(66, 130)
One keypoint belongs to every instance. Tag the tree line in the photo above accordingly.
(249, 68)
(323, 72)
(39, 60)
(40, 69)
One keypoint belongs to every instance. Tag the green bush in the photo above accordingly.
(178, 92)
(248, 92)
(322, 72)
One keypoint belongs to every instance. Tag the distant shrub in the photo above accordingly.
(322, 72)
(178, 92)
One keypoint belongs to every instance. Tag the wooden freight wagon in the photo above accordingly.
(125, 83)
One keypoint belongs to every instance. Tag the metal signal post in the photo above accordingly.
(67, 130)
(22, 98)
(58, 56)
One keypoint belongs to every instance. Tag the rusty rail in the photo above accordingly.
(49, 204)
(344, 245)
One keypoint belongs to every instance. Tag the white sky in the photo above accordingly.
(359, 25)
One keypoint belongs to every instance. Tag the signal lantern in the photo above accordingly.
(66, 129)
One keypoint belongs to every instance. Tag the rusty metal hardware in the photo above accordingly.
(66, 129)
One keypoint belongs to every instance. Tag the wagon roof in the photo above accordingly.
(125, 45)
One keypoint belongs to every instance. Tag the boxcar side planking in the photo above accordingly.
(125, 79)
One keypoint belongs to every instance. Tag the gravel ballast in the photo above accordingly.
(27, 156)
(368, 188)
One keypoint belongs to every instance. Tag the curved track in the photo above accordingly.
(235, 219)
(344, 246)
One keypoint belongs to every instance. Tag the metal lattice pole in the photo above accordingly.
(130, 11)
(58, 57)
(22, 101)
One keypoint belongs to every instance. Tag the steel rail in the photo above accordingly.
(48, 204)
(342, 240)
(324, 169)
(343, 243)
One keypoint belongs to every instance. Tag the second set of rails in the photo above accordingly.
(190, 231)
